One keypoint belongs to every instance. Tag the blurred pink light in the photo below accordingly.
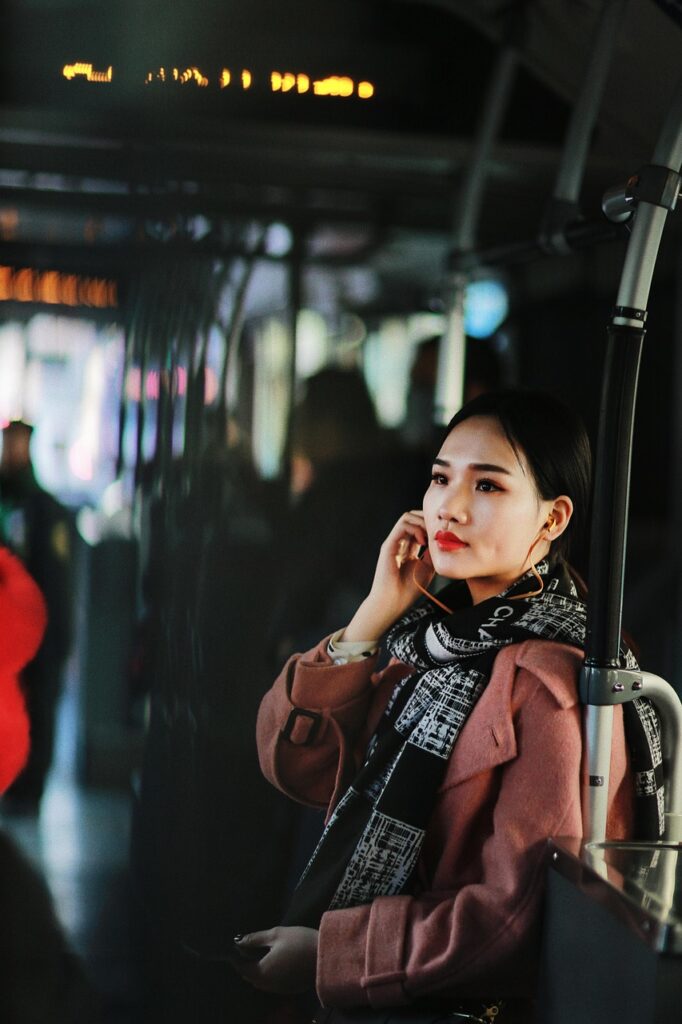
(152, 385)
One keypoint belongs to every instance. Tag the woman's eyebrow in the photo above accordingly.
(486, 467)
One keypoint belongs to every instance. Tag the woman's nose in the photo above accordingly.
(454, 511)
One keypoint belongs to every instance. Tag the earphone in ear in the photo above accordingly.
(550, 521)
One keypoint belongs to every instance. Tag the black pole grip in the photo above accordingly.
(611, 495)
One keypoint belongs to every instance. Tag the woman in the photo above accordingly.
(427, 882)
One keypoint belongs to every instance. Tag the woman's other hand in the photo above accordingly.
(289, 966)
(394, 589)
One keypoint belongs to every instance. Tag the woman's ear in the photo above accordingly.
(559, 516)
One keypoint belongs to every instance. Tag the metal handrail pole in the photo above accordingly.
(452, 348)
(598, 730)
(585, 110)
(640, 258)
(468, 207)
(607, 564)
(612, 478)
(562, 208)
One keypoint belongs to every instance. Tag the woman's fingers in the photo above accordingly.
(249, 967)
(411, 522)
(265, 938)
(288, 966)
(407, 536)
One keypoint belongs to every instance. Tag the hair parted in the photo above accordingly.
(554, 442)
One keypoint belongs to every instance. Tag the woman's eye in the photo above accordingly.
(439, 478)
(487, 486)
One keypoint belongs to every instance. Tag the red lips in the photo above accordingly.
(447, 541)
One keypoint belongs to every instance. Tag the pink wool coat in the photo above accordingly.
(471, 925)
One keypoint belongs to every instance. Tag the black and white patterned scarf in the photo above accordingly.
(374, 836)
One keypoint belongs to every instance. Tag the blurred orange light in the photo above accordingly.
(334, 85)
(54, 288)
(49, 287)
(190, 75)
(159, 75)
(69, 290)
(5, 283)
(23, 286)
(97, 293)
(102, 76)
(82, 70)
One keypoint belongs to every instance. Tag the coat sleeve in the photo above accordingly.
(313, 724)
(22, 624)
(477, 939)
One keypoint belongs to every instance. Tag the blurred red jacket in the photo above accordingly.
(23, 617)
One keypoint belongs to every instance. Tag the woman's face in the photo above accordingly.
(482, 509)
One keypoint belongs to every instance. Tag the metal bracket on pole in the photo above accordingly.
(652, 184)
(669, 707)
(607, 687)
(602, 689)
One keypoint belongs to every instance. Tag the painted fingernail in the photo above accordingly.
(238, 938)
(422, 549)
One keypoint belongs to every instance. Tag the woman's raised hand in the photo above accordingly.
(394, 588)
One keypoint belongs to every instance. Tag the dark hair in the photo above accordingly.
(336, 417)
(554, 442)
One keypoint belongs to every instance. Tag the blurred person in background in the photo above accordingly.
(339, 455)
(419, 432)
(22, 626)
(37, 528)
(41, 978)
(347, 483)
